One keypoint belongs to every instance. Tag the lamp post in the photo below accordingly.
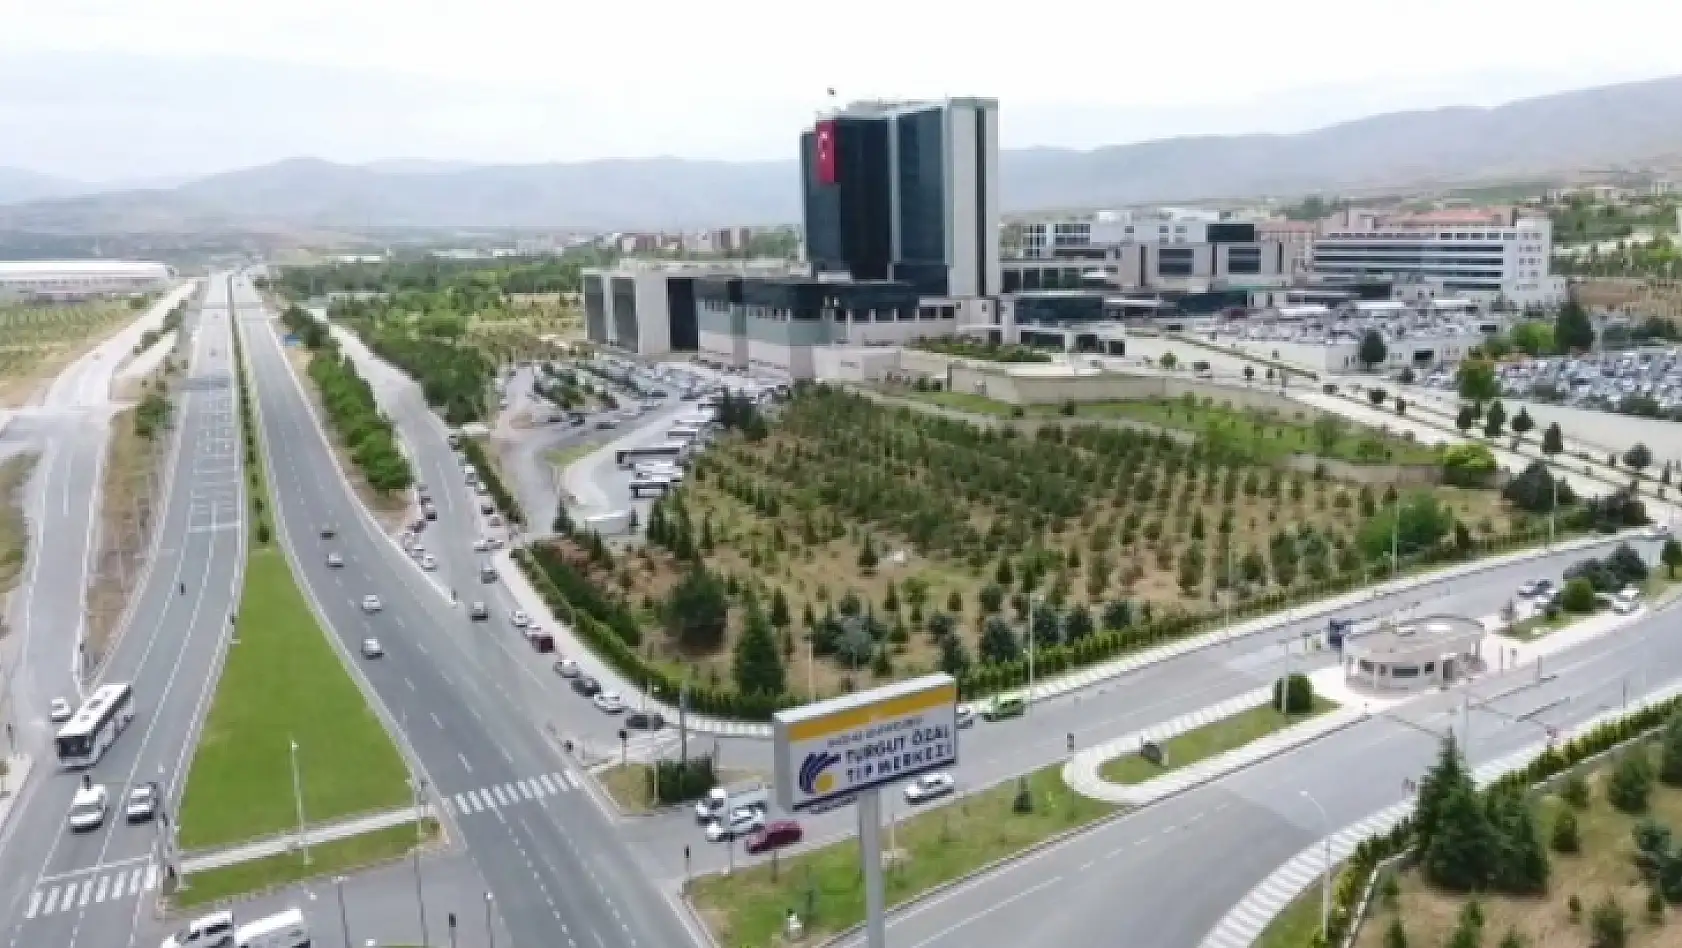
(344, 919)
(298, 799)
(490, 933)
(1033, 610)
(420, 835)
(1326, 876)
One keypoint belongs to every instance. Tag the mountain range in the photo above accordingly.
(1546, 136)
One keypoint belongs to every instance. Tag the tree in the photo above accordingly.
(780, 617)
(1565, 837)
(1465, 418)
(867, 555)
(1298, 697)
(1533, 338)
(1522, 423)
(1372, 350)
(1462, 853)
(1377, 395)
(1608, 926)
(1395, 936)
(697, 610)
(954, 657)
(1407, 376)
(1578, 596)
(1467, 465)
(1553, 440)
(1671, 556)
(1638, 457)
(1631, 781)
(1446, 774)
(1328, 431)
(759, 667)
(998, 641)
(1670, 753)
(1077, 624)
(1476, 382)
(1494, 419)
(1522, 863)
(1573, 332)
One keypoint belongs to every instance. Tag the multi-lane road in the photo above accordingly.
(63, 889)
(466, 704)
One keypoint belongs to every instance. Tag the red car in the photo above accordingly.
(774, 836)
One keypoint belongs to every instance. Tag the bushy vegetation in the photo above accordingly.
(368, 436)
(985, 351)
(488, 472)
(428, 345)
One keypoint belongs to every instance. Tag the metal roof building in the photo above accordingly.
(76, 279)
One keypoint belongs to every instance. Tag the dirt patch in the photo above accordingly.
(38, 340)
(126, 512)
(392, 511)
(14, 527)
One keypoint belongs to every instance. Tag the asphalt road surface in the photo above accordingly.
(63, 889)
(548, 855)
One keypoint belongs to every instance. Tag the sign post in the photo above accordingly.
(852, 747)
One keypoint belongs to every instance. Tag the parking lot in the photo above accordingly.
(1643, 381)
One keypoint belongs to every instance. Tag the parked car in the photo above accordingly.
(609, 702)
(60, 711)
(740, 822)
(518, 619)
(774, 835)
(645, 721)
(1006, 706)
(586, 686)
(566, 668)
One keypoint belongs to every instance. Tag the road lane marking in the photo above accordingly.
(543, 779)
(531, 788)
(996, 906)
(500, 799)
(104, 885)
(34, 904)
(87, 893)
(464, 764)
(134, 881)
(435, 720)
(151, 877)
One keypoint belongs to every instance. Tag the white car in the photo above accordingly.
(566, 668)
(482, 545)
(371, 604)
(518, 619)
(1624, 605)
(335, 561)
(429, 562)
(929, 786)
(1658, 530)
(60, 711)
(142, 803)
(88, 807)
(371, 648)
(609, 702)
(481, 489)
(741, 822)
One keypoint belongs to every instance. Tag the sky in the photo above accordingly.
(114, 90)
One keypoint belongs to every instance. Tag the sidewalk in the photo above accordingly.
(1244, 923)
(11, 783)
(313, 836)
(571, 647)
(1081, 772)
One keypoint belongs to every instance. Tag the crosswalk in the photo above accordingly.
(57, 897)
(513, 793)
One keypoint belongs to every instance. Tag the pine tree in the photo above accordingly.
(1631, 782)
(1448, 773)
(759, 668)
(779, 609)
(1522, 864)
(1463, 851)
(1670, 754)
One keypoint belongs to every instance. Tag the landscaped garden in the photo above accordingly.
(852, 543)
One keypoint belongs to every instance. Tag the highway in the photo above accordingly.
(549, 857)
(63, 889)
(1163, 876)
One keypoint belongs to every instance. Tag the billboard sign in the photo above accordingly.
(833, 749)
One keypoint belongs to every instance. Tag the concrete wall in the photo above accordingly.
(996, 381)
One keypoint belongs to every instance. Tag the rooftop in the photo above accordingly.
(1411, 636)
(18, 268)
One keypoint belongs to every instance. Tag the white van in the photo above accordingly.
(88, 807)
(283, 930)
(212, 931)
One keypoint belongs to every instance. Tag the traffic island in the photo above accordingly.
(1202, 743)
(749, 907)
(362, 851)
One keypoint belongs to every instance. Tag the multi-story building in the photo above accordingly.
(1191, 255)
(647, 307)
(906, 191)
(1486, 255)
(1049, 239)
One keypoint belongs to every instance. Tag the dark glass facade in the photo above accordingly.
(1175, 261)
(922, 224)
(680, 308)
(595, 310)
(1243, 260)
(848, 223)
(624, 291)
(1232, 233)
(1059, 308)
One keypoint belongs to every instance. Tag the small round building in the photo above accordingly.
(1413, 654)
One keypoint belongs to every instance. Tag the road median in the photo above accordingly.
(290, 740)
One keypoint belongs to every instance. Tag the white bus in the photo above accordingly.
(84, 738)
(671, 451)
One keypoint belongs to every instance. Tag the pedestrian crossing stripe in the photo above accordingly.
(498, 796)
(81, 893)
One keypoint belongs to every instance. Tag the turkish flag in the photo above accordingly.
(826, 152)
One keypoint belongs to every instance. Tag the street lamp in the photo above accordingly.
(1326, 876)
(420, 836)
(344, 920)
(490, 934)
(298, 798)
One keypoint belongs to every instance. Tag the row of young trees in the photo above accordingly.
(427, 342)
(368, 436)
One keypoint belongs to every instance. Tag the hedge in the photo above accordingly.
(475, 451)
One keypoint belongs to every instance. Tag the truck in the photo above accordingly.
(722, 801)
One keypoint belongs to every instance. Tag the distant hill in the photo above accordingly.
(1530, 138)
(18, 185)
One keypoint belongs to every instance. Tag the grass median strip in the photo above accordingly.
(1208, 741)
(747, 909)
(338, 856)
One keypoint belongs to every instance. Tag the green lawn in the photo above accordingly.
(1208, 741)
(327, 859)
(747, 909)
(965, 401)
(1297, 924)
(283, 682)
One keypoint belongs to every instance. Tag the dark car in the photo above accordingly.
(775, 835)
(586, 686)
(329, 531)
(645, 721)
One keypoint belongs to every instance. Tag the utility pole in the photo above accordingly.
(298, 799)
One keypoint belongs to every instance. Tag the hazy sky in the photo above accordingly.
(102, 89)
